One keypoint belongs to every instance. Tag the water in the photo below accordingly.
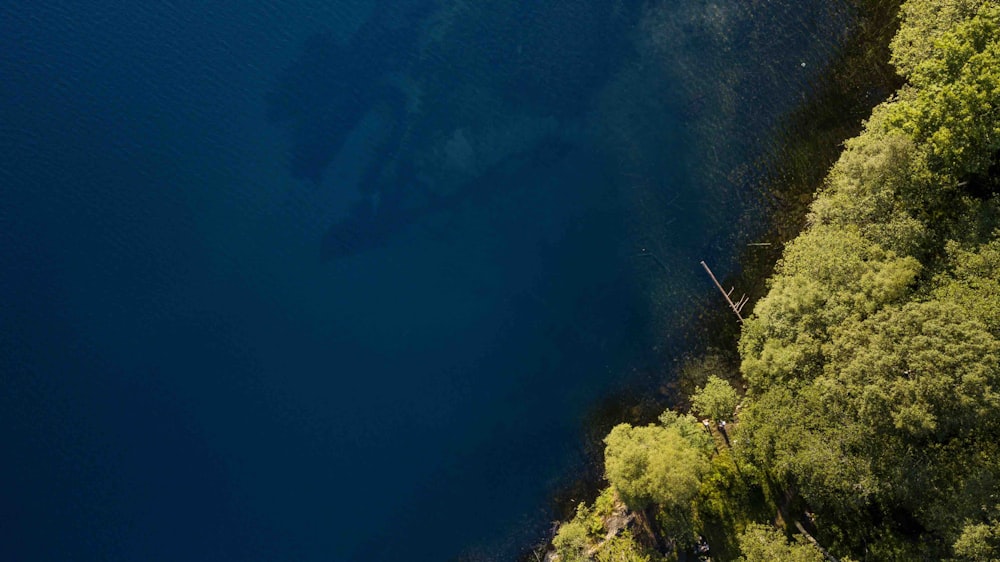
(345, 280)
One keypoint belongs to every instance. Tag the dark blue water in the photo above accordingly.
(344, 280)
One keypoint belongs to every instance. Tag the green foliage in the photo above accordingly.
(727, 501)
(574, 538)
(955, 108)
(721, 486)
(873, 363)
(604, 505)
(923, 370)
(656, 464)
(972, 280)
(678, 525)
(623, 548)
(924, 21)
(717, 399)
(689, 428)
(881, 186)
(761, 543)
(800, 445)
(979, 543)
(827, 276)
(582, 538)
(901, 397)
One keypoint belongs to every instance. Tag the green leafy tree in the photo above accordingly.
(972, 280)
(955, 105)
(761, 543)
(905, 414)
(827, 276)
(623, 548)
(574, 539)
(881, 185)
(656, 464)
(979, 543)
(923, 370)
(689, 428)
(923, 23)
(717, 399)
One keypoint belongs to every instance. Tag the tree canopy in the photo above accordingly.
(717, 399)
(954, 106)
(873, 363)
(656, 464)
(762, 543)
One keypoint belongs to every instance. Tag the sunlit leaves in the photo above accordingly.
(655, 464)
(716, 400)
(760, 543)
(956, 107)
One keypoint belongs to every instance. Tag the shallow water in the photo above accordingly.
(311, 280)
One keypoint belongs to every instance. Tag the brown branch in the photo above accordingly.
(814, 541)
(737, 307)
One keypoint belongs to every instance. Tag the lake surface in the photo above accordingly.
(347, 280)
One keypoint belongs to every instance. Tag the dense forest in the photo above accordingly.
(863, 421)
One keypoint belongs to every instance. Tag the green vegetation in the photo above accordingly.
(952, 108)
(716, 400)
(877, 342)
(763, 543)
(871, 366)
(979, 542)
(657, 464)
(622, 548)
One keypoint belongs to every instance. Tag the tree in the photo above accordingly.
(717, 399)
(873, 363)
(925, 370)
(761, 543)
(622, 548)
(979, 542)
(827, 276)
(955, 105)
(904, 414)
(656, 464)
(689, 428)
(881, 185)
(972, 280)
(573, 540)
(924, 21)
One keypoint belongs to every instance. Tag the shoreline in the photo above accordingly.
(865, 406)
(855, 80)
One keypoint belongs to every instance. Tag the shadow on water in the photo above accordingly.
(425, 401)
(474, 99)
(323, 95)
(463, 94)
(373, 221)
